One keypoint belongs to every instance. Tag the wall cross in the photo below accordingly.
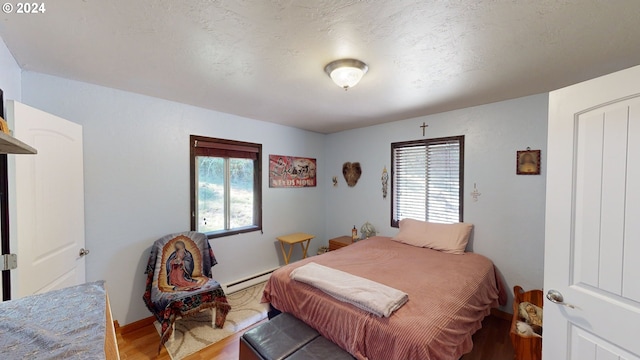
(423, 126)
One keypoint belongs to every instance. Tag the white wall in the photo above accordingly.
(10, 74)
(508, 217)
(136, 155)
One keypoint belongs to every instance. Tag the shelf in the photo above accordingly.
(11, 145)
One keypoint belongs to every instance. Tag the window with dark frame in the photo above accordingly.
(226, 186)
(427, 180)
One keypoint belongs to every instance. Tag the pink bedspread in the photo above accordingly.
(449, 295)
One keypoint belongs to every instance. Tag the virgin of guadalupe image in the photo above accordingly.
(179, 268)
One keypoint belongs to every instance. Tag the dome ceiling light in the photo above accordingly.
(346, 73)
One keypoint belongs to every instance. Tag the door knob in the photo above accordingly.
(84, 252)
(556, 297)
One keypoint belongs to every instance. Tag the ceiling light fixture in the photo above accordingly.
(346, 73)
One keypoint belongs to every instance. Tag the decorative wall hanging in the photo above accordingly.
(475, 193)
(291, 171)
(384, 179)
(351, 172)
(528, 162)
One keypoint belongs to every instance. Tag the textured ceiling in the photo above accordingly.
(264, 59)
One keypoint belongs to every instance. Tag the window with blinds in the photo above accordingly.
(427, 180)
(226, 195)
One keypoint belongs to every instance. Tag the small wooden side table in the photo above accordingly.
(293, 239)
(339, 242)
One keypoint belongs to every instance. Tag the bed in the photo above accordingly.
(449, 295)
(70, 323)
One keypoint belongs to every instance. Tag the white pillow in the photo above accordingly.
(449, 238)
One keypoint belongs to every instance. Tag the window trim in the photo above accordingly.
(460, 139)
(231, 146)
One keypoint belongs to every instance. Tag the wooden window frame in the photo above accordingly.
(207, 146)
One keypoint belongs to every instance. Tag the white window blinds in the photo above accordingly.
(427, 180)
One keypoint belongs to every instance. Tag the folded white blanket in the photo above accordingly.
(368, 295)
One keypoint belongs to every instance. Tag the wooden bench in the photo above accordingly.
(287, 337)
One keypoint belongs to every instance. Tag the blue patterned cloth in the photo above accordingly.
(61, 324)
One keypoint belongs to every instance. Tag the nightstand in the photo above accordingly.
(339, 242)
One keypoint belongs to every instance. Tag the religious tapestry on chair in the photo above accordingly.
(179, 280)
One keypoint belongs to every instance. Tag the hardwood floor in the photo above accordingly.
(492, 342)
(140, 341)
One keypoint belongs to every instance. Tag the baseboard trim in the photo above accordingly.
(136, 325)
(501, 314)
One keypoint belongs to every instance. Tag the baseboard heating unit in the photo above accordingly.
(250, 280)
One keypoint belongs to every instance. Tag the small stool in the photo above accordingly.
(276, 339)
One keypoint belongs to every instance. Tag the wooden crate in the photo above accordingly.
(526, 348)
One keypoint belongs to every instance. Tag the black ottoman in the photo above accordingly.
(320, 349)
(276, 339)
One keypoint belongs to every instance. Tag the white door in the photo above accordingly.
(46, 202)
(592, 240)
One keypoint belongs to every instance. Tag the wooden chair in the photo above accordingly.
(179, 281)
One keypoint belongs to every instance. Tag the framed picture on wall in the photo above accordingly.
(291, 171)
(528, 162)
